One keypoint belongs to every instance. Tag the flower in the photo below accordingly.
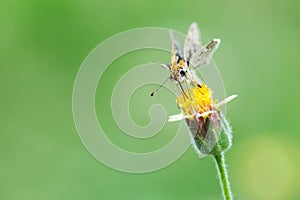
(210, 131)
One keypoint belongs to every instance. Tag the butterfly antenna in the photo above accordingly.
(157, 89)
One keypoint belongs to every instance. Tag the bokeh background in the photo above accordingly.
(43, 43)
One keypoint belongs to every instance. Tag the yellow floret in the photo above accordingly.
(198, 100)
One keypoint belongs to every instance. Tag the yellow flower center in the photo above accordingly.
(196, 100)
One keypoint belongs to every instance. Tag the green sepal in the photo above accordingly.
(216, 139)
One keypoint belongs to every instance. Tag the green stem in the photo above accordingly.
(223, 176)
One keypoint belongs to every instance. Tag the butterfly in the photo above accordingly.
(194, 55)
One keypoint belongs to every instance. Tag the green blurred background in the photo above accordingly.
(43, 43)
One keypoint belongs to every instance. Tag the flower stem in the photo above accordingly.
(223, 176)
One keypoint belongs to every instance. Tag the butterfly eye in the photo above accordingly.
(182, 72)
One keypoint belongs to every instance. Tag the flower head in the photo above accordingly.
(210, 131)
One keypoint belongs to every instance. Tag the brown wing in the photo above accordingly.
(204, 55)
(176, 49)
(192, 42)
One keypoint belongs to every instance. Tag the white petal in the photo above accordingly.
(226, 100)
(178, 117)
(205, 113)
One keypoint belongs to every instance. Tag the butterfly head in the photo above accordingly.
(180, 71)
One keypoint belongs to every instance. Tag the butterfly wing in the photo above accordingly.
(192, 42)
(176, 49)
(204, 55)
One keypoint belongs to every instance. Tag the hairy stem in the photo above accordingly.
(223, 176)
